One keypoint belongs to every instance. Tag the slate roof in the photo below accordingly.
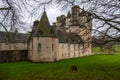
(72, 38)
(43, 28)
(12, 37)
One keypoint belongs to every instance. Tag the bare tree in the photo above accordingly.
(17, 13)
(10, 13)
(105, 15)
(105, 43)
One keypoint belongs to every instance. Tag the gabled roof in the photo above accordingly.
(43, 28)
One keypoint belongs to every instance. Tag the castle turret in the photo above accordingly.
(75, 11)
(75, 15)
(43, 28)
(43, 46)
(61, 19)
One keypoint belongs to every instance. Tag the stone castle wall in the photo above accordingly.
(13, 52)
(13, 46)
(43, 49)
(13, 55)
(73, 50)
(47, 49)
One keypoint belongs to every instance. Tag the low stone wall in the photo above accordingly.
(13, 55)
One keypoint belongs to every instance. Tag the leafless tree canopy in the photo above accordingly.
(15, 13)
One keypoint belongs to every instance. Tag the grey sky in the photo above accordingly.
(53, 12)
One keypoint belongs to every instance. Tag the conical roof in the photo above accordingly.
(43, 27)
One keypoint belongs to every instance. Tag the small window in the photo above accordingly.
(62, 55)
(74, 53)
(39, 46)
(68, 54)
(52, 47)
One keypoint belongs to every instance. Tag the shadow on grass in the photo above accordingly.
(4, 75)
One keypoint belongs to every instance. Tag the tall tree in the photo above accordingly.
(105, 15)
(15, 13)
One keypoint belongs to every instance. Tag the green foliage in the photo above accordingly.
(96, 50)
(117, 48)
(96, 67)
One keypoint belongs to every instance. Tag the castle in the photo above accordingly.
(68, 37)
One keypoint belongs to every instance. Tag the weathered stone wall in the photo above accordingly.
(73, 50)
(47, 49)
(30, 50)
(44, 49)
(13, 55)
(13, 46)
(13, 52)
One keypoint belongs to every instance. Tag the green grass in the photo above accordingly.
(96, 67)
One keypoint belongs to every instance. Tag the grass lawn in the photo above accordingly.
(95, 67)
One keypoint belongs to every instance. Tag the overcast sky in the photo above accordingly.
(53, 12)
